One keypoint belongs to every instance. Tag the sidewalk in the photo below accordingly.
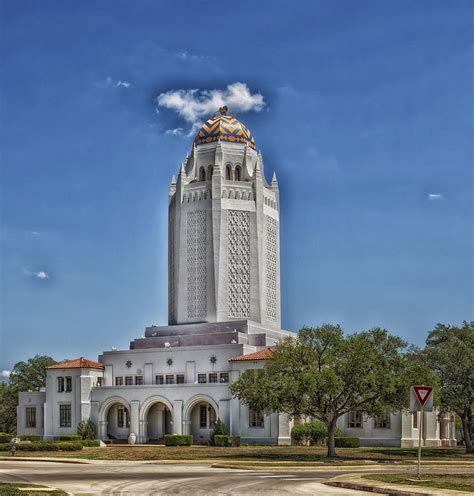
(356, 482)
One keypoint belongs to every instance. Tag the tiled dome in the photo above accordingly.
(224, 127)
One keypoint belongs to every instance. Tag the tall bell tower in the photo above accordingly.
(224, 231)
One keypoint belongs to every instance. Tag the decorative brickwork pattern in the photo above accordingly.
(171, 270)
(271, 264)
(238, 225)
(196, 264)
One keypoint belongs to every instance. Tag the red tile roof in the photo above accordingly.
(258, 355)
(78, 363)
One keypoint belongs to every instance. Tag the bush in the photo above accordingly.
(347, 442)
(178, 439)
(221, 440)
(87, 429)
(29, 437)
(234, 441)
(219, 430)
(70, 437)
(44, 446)
(314, 432)
(90, 443)
(5, 438)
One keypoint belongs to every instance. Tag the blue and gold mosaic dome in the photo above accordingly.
(224, 127)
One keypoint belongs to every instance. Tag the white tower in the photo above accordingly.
(224, 247)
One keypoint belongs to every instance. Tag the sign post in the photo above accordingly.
(421, 400)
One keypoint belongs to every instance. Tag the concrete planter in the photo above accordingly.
(132, 438)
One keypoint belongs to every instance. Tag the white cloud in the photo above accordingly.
(108, 82)
(175, 132)
(435, 196)
(193, 105)
(5, 373)
(125, 84)
(41, 274)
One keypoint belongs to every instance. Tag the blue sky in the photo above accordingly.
(367, 111)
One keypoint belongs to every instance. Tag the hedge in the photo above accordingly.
(225, 441)
(347, 442)
(178, 439)
(5, 438)
(70, 437)
(90, 443)
(43, 446)
(314, 432)
(29, 437)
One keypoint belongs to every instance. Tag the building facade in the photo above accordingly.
(223, 318)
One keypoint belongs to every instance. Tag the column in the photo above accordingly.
(178, 417)
(224, 412)
(134, 417)
(102, 429)
(283, 429)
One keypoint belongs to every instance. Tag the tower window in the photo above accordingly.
(237, 174)
(210, 171)
(202, 174)
(228, 173)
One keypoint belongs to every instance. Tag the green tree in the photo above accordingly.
(450, 352)
(25, 376)
(324, 374)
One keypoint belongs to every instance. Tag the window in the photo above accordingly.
(123, 417)
(60, 384)
(203, 416)
(213, 378)
(68, 384)
(119, 381)
(170, 379)
(202, 174)
(210, 171)
(354, 420)
(64, 415)
(180, 379)
(382, 421)
(139, 380)
(30, 417)
(202, 379)
(224, 376)
(128, 380)
(255, 418)
(159, 379)
(99, 381)
(237, 174)
(415, 420)
(228, 173)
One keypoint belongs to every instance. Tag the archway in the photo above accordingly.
(115, 420)
(200, 414)
(157, 419)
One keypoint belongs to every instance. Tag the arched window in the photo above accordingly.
(202, 174)
(237, 173)
(210, 170)
(228, 173)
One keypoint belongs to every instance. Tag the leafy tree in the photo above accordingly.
(324, 374)
(450, 352)
(26, 376)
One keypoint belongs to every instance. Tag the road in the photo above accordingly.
(152, 478)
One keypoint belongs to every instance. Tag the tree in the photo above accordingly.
(324, 374)
(449, 351)
(26, 376)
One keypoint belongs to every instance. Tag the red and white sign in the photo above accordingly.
(421, 398)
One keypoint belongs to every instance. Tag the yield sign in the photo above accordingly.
(422, 393)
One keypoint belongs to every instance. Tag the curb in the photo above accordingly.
(37, 459)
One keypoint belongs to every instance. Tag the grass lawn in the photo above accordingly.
(11, 489)
(256, 454)
(458, 482)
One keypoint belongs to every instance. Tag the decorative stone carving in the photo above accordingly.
(238, 225)
(196, 264)
(271, 267)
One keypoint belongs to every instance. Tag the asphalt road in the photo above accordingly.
(147, 479)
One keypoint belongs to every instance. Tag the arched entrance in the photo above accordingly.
(156, 418)
(200, 415)
(115, 420)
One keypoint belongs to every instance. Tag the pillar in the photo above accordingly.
(178, 417)
(102, 429)
(134, 417)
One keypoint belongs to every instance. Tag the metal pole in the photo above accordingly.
(420, 429)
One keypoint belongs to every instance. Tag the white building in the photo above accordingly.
(223, 312)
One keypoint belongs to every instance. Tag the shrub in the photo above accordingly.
(87, 429)
(29, 437)
(347, 442)
(234, 441)
(178, 439)
(90, 443)
(299, 433)
(70, 437)
(44, 446)
(314, 432)
(219, 430)
(10, 491)
(5, 438)
(221, 440)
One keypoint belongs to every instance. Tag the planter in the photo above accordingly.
(132, 439)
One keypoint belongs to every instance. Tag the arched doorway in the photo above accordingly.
(156, 419)
(117, 421)
(201, 417)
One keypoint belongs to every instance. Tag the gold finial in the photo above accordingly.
(223, 110)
